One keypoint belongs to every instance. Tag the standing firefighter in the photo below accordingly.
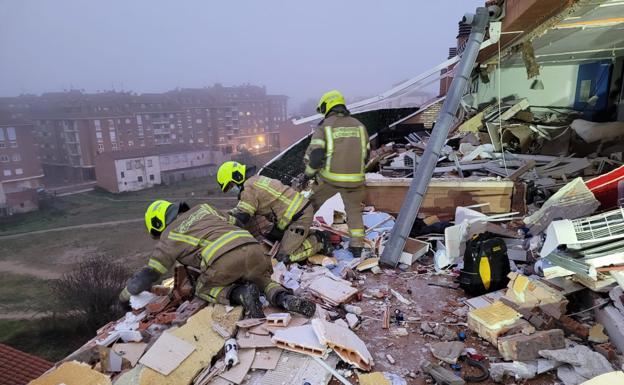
(290, 212)
(337, 155)
(232, 263)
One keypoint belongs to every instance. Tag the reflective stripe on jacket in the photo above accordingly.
(197, 238)
(345, 143)
(270, 198)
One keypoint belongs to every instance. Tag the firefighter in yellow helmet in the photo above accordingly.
(336, 156)
(289, 211)
(233, 265)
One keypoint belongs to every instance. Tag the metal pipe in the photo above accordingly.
(446, 118)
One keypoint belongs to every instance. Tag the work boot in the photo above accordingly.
(356, 251)
(323, 239)
(296, 304)
(248, 296)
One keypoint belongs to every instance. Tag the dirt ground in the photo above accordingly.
(46, 250)
(428, 303)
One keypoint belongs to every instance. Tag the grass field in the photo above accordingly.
(23, 293)
(101, 206)
(29, 261)
(50, 338)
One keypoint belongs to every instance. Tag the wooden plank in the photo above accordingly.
(473, 124)
(521, 105)
(442, 196)
(522, 170)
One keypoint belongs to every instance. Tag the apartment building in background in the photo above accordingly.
(72, 128)
(141, 168)
(20, 168)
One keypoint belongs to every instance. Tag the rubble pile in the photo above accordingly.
(521, 278)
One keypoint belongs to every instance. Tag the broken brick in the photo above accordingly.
(521, 347)
(158, 305)
(607, 350)
(573, 327)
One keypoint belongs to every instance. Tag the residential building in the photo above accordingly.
(141, 168)
(20, 167)
(290, 133)
(73, 127)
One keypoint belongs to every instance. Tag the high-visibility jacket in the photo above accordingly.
(197, 238)
(270, 198)
(344, 141)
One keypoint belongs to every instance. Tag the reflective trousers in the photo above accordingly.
(247, 263)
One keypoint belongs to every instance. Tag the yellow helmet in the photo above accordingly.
(230, 172)
(156, 217)
(330, 100)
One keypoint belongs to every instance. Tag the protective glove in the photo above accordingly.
(124, 296)
(275, 234)
(282, 257)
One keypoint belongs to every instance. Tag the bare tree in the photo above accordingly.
(91, 290)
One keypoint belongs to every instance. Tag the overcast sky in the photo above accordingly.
(294, 47)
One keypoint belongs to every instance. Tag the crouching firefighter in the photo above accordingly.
(336, 157)
(289, 211)
(233, 265)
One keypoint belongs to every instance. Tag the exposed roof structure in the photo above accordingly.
(289, 163)
(19, 368)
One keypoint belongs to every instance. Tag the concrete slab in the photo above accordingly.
(332, 291)
(300, 339)
(344, 342)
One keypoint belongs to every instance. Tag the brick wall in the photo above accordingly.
(426, 117)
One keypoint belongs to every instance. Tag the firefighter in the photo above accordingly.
(233, 265)
(336, 156)
(289, 211)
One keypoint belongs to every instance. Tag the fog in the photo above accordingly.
(296, 48)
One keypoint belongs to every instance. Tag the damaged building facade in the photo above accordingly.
(526, 184)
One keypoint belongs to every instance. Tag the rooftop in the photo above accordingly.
(142, 151)
(19, 368)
